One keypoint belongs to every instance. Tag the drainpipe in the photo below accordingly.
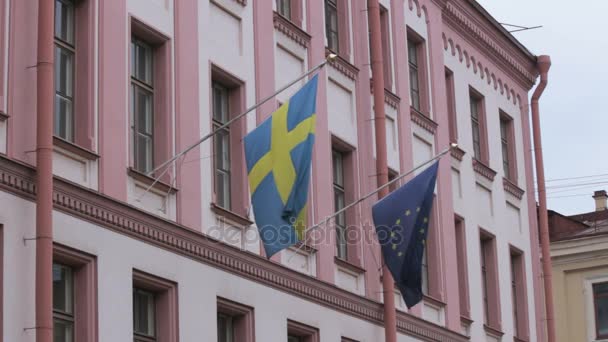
(390, 318)
(44, 172)
(544, 63)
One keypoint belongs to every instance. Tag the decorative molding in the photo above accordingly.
(496, 49)
(478, 68)
(75, 149)
(230, 217)
(343, 66)
(291, 30)
(423, 120)
(457, 153)
(483, 170)
(349, 265)
(147, 181)
(108, 213)
(512, 188)
(495, 333)
(390, 98)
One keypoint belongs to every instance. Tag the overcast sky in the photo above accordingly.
(574, 114)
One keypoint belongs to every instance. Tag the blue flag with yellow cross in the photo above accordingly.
(402, 224)
(278, 154)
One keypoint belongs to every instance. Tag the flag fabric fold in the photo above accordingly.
(278, 155)
(402, 223)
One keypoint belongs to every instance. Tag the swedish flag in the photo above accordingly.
(402, 225)
(278, 155)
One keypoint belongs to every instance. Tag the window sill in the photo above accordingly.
(291, 30)
(466, 320)
(512, 188)
(494, 332)
(457, 153)
(147, 180)
(348, 265)
(390, 98)
(433, 301)
(483, 170)
(230, 217)
(305, 247)
(3, 116)
(423, 120)
(517, 339)
(343, 65)
(75, 149)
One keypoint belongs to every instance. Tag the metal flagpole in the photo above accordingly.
(328, 218)
(329, 58)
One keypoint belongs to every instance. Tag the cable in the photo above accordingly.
(578, 177)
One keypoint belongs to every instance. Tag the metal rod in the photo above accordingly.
(441, 154)
(329, 58)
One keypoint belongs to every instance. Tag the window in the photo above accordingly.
(234, 322)
(508, 147)
(331, 25)
(142, 99)
(451, 102)
(221, 143)
(154, 309)
(600, 302)
(298, 332)
(412, 58)
(284, 8)
(489, 279)
(518, 294)
(74, 295)
(144, 315)
(63, 303)
(461, 262)
(339, 204)
(65, 51)
(227, 98)
(478, 126)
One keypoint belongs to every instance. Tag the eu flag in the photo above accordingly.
(278, 155)
(402, 224)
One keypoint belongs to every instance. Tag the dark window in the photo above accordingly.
(600, 300)
(451, 102)
(476, 126)
(339, 203)
(225, 328)
(412, 57)
(63, 303)
(284, 8)
(506, 144)
(142, 100)
(144, 315)
(485, 246)
(331, 25)
(65, 50)
(221, 142)
(292, 338)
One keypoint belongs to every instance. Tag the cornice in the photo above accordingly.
(390, 98)
(457, 153)
(85, 204)
(291, 30)
(512, 188)
(508, 58)
(343, 66)
(483, 170)
(423, 121)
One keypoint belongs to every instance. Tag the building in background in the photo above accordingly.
(137, 81)
(579, 252)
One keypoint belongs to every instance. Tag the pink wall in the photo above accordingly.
(3, 24)
(187, 112)
(113, 103)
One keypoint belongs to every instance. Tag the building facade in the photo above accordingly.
(580, 272)
(179, 260)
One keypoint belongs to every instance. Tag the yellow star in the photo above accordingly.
(426, 219)
(394, 246)
(407, 212)
(399, 254)
(392, 234)
(398, 221)
(418, 209)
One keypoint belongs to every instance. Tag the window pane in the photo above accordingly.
(143, 116)
(143, 313)
(141, 59)
(600, 289)
(222, 150)
(338, 169)
(284, 8)
(292, 338)
(601, 312)
(143, 153)
(225, 328)
(63, 123)
(64, 20)
(412, 52)
(62, 289)
(63, 331)
(220, 103)
(222, 184)
(64, 71)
